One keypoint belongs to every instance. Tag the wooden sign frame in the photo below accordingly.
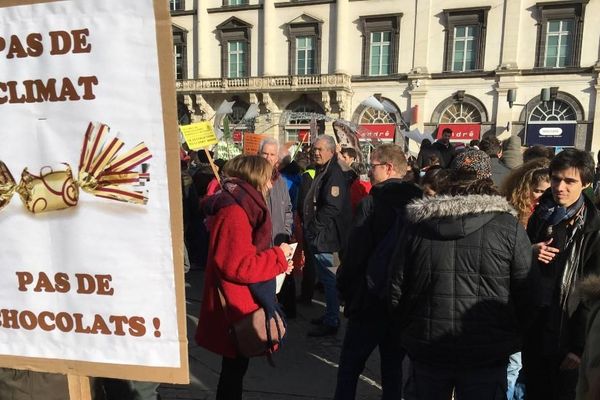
(79, 370)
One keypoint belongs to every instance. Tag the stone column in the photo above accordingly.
(595, 112)
(421, 40)
(269, 37)
(504, 113)
(341, 36)
(513, 10)
(203, 38)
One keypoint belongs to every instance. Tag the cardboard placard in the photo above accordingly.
(252, 143)
(94, 288)
(199, 135)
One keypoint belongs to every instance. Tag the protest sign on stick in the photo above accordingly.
(199, 136)
(252, 143)
(91, 242)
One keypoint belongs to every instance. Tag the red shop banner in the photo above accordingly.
(304, 136)
(237, 136)
(376, 131)
(460, 131)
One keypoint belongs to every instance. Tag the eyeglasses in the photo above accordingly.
(372, 166)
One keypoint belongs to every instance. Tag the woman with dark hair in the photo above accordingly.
(460, 286)
(241, 264)
(433, 179)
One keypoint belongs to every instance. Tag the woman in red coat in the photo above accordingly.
(240, 257)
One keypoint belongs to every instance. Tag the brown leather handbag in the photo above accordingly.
(250, 334)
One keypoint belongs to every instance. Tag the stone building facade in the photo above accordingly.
(431, 63)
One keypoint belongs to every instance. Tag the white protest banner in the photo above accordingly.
(91, 277)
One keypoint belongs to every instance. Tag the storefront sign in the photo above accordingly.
(552, 134)
(237, 136)
(463, 132)
(376, 131)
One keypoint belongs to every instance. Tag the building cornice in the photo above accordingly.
(302, 3)
(179, 13)
(385, 78)
(234, 8)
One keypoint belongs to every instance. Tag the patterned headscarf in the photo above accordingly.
(473, 160)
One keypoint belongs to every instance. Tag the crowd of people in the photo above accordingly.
(478, 263)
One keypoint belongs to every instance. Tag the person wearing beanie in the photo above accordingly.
(461, 287)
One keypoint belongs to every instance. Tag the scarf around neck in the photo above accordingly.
(237, 191)
(554, 214)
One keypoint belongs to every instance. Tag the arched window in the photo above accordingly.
(555, 110)
(297, 120)
(460, 113)
(370, 115)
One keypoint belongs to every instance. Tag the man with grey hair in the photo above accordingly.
(327, 219)
(282, 218)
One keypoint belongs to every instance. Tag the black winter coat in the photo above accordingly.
(582, 260)
(461, 286)
(374, 217)
(327, 224)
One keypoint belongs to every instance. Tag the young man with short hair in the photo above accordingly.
(369, 325)
(565, 228)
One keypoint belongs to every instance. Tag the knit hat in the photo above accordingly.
(473, 160)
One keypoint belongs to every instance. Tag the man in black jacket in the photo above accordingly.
(565, 228)
(327, 217)
(461, 286)
(445, 148)
(369, 324)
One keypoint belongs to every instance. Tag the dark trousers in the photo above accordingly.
(430, 382)
(363, 334)
(232, 378)
(544, 380)
(309, 275)
(287, 296)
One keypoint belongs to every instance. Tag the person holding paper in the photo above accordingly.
(242, 264)
(280, 207)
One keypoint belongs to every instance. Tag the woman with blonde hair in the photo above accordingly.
(241, 263)
(523, 188)
(525, 185)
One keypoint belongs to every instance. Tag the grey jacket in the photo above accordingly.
(280, 207)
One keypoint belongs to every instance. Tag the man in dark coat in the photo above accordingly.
(445, 148)
(493, 148)
(461, 286)
(565, 228)
(327, 218)
(369, 325)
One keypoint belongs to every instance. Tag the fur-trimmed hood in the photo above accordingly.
(456, 216)
(590, 288)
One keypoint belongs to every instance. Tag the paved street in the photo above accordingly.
(306, 367)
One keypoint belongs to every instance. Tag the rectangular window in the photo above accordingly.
(463, 49)
(178, 50)
(305, 55)
(176, 5)
(559, 43)
(379, 64)
(237, 59)
(237, 2)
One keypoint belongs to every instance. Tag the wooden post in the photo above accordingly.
(212, 165)
(79, 387)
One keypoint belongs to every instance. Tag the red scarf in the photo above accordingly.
(237, 191)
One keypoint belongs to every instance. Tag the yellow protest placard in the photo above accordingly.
(252, 142)
(199, 135)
